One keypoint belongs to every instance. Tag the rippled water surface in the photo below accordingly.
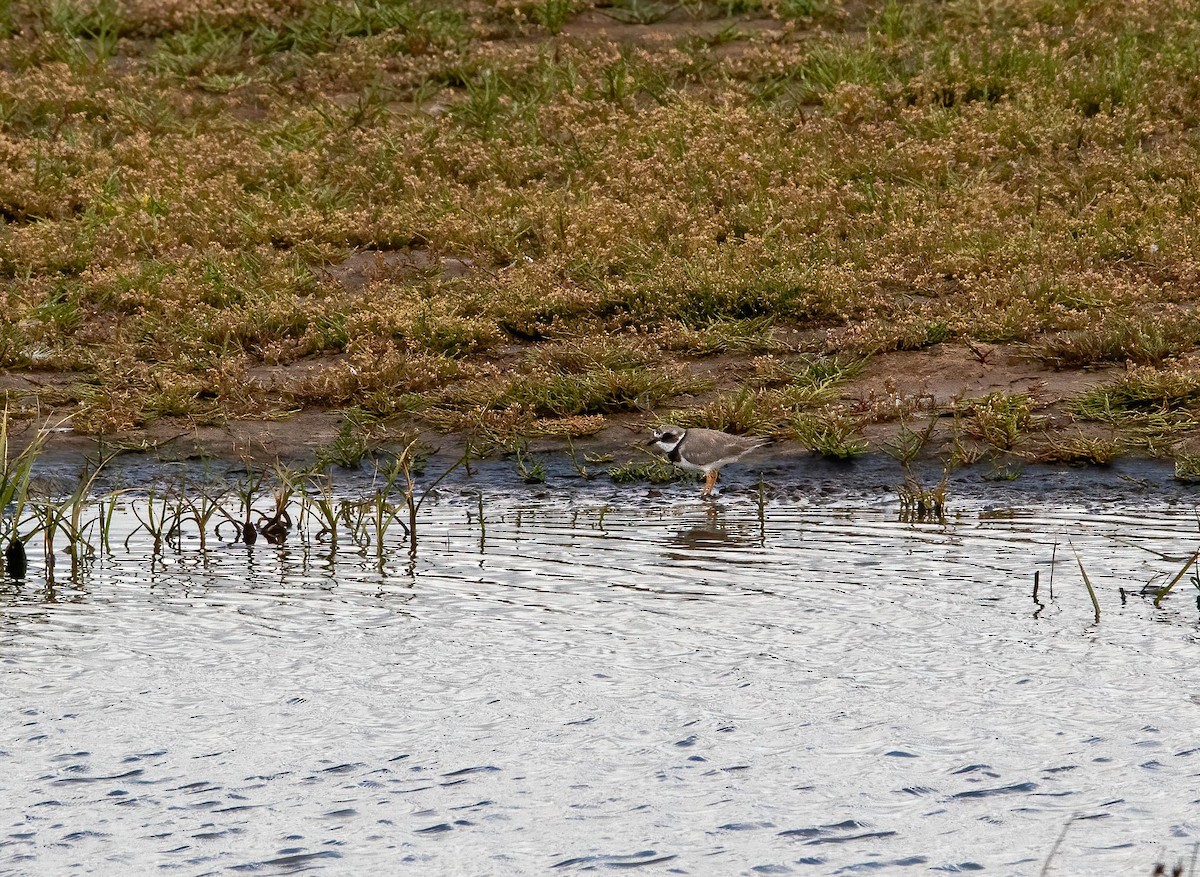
(596, 681)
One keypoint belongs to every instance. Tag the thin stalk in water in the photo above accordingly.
(414, 504)
(1087, 582)
(202, 511)
(1166, 589)
(1053, 557)
(482, 523)
(324, 508)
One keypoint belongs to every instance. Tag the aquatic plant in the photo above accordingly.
(324, 507)
(1087, 583)
(654, 471)
(832, 434)
(1166, 589)
(276, 526)
(202, 507)
(921, 504)
(381, 513)
(531, 471)
(72, 516)
(246, 490)
(15, 473)
(402, 467)
(1187, 467)
(159, 516)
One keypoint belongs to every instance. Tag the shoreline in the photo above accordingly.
(786, 469)
(941, 406)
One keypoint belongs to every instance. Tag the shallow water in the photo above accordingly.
(613, 680)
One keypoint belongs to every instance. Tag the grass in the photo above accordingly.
(998, 419)
(593, 391)
(831, 434)
(353, 443)
(1187, 467)
(748, 336)
(1152, 408)
(1141, 393)
(1087, 583)
(1081, 449)
(1149, 340)
(909, 443)
(774, 397)
(186, 190)
(652, 471)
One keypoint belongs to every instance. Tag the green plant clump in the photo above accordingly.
(652, 471)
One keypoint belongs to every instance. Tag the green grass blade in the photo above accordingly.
(1166, 589)
(1087, 582)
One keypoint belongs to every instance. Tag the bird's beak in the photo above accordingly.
(653, 441)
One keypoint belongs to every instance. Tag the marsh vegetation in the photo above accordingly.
(536, 218)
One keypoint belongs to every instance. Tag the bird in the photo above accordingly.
(704, 450)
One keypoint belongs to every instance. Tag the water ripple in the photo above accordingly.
(809, 687)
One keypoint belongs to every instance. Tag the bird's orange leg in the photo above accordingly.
(709, 481)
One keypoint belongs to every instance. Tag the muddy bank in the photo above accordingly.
(894, 397)
(782, 471)
(893, 392)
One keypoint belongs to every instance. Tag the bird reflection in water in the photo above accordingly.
(717, 531)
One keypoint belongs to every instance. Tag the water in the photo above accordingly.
(610, 680)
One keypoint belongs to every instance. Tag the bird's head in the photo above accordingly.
(666, 437)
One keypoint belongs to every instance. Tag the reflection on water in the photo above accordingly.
(581, 684)
(717, 530)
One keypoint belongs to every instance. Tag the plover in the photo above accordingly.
(704, 450)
